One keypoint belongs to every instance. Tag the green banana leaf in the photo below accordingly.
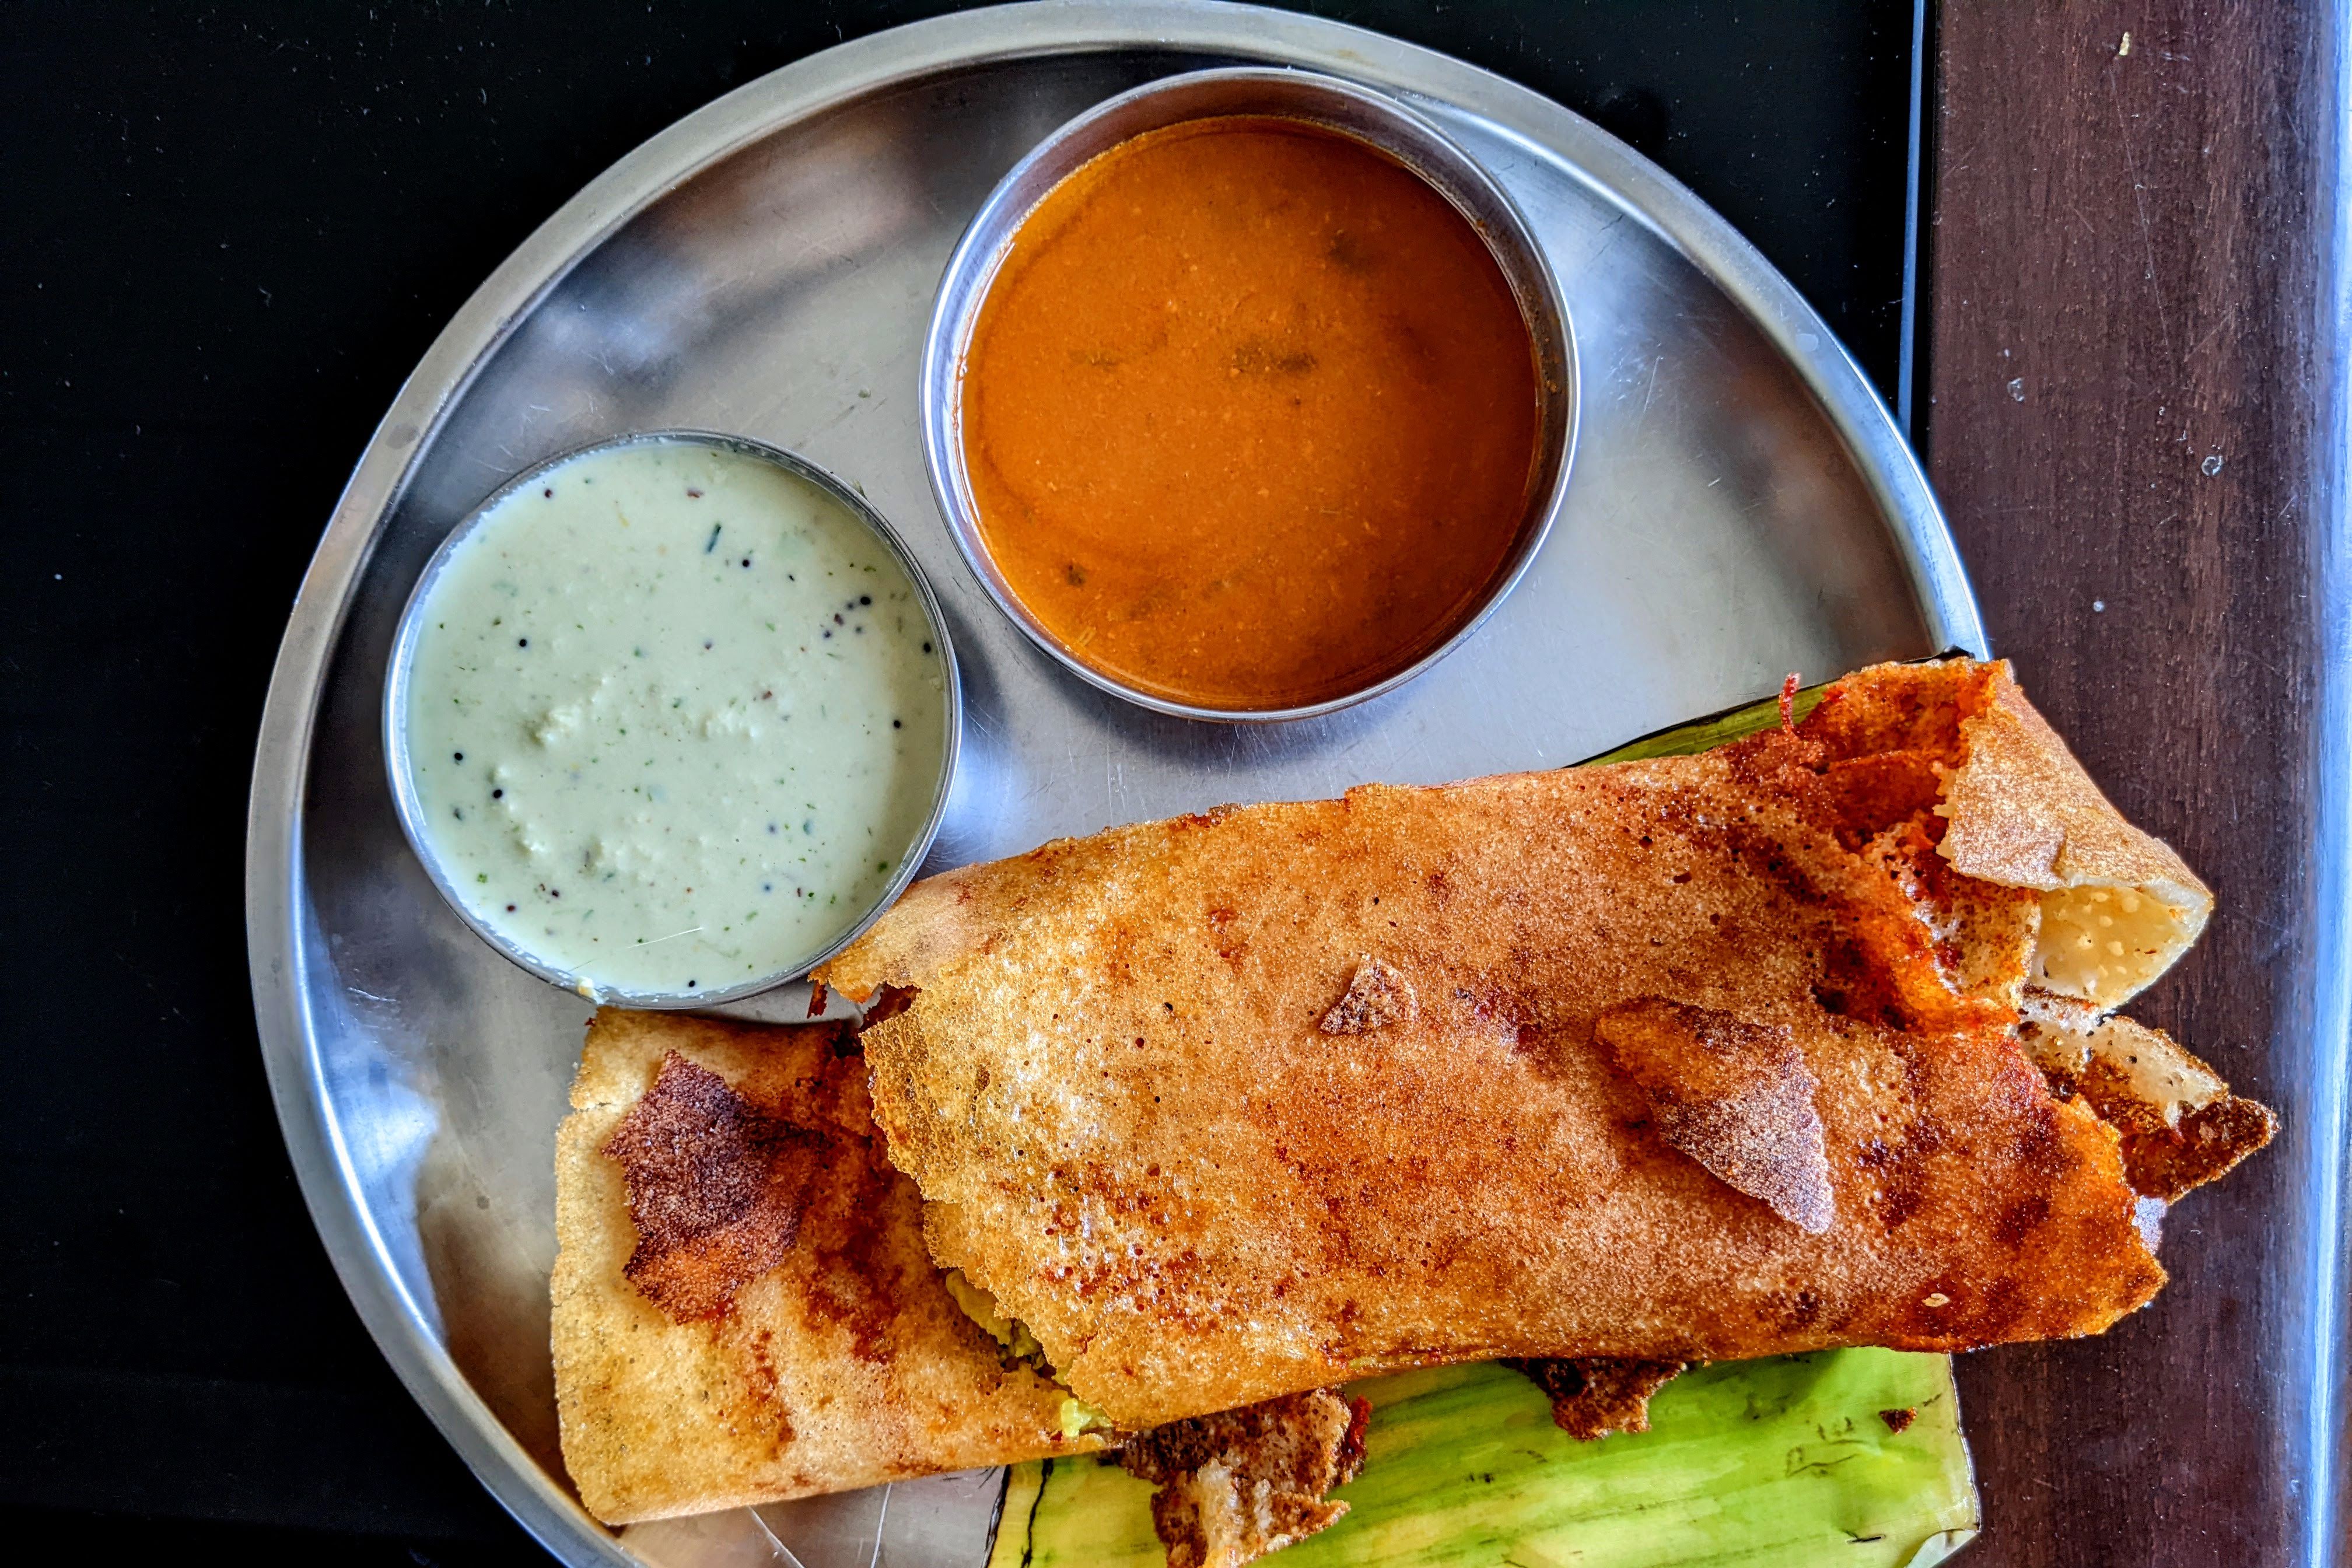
(1705, 734)
(1789, 1462)
(1783, 1463)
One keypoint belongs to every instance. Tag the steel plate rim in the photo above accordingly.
(276, 939)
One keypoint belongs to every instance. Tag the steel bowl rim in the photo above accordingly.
(410, 811)
(979, 254)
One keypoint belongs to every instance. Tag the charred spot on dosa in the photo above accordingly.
(716, 1188)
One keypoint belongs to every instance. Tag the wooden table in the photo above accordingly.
(2135, 420)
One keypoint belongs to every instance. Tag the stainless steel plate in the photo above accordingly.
(1742, 506)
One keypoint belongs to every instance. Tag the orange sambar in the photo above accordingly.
(1250, 415)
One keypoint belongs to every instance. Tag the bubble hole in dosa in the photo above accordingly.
(1791, 1044)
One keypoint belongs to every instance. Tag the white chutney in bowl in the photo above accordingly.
(671, 719)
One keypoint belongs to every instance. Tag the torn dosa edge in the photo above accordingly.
(743, 1310)
(1127, 1127)
(1233, 1486)
(1596, 1396)
(2180, 1126)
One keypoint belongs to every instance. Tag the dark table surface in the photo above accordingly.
(232, 230)
(2136, 411)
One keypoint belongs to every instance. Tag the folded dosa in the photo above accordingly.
(1690, 1058)
(767, 1324)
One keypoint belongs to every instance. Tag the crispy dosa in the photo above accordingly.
(743, 1309)
(1239, 1484)
(1690, 1058)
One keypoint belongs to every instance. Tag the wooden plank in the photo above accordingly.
(2133, 421)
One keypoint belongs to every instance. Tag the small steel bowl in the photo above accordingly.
(1368, 116)
(396, 720)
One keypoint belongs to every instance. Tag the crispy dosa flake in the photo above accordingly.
(715, 1189)
(1734, 1096)
(1377, 995)
(1239, 1484)
(2181, 1125)
(2106, 941)
(886, 1002)
(1593, 1396)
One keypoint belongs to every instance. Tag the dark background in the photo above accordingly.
(230, 232)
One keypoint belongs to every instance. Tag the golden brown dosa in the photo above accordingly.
(839, 1362)
(1129, 1121)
